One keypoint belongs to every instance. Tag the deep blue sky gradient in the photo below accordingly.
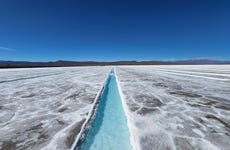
(105, 30)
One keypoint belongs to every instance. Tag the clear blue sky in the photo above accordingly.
(106, 30)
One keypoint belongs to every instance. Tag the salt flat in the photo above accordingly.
(168, 107)
(44, 108)
(177, 107)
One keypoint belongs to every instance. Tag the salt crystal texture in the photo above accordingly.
(177, 107)
(45, 108)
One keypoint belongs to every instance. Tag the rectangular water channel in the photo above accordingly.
(109, 130)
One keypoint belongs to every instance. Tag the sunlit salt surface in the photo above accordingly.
(180, 107)
(44, 108)
(109, 130)
(186, 106)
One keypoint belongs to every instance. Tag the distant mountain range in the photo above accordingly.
(61, 63)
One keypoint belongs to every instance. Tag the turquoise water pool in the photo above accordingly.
(109, 130)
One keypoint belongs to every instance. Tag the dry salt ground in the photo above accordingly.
(45, 108)
(168, 107)
(177, 107)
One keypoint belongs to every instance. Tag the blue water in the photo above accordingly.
(109, 130)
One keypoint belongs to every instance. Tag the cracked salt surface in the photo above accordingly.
(168, 107)
(177, 107)
(44, 108)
